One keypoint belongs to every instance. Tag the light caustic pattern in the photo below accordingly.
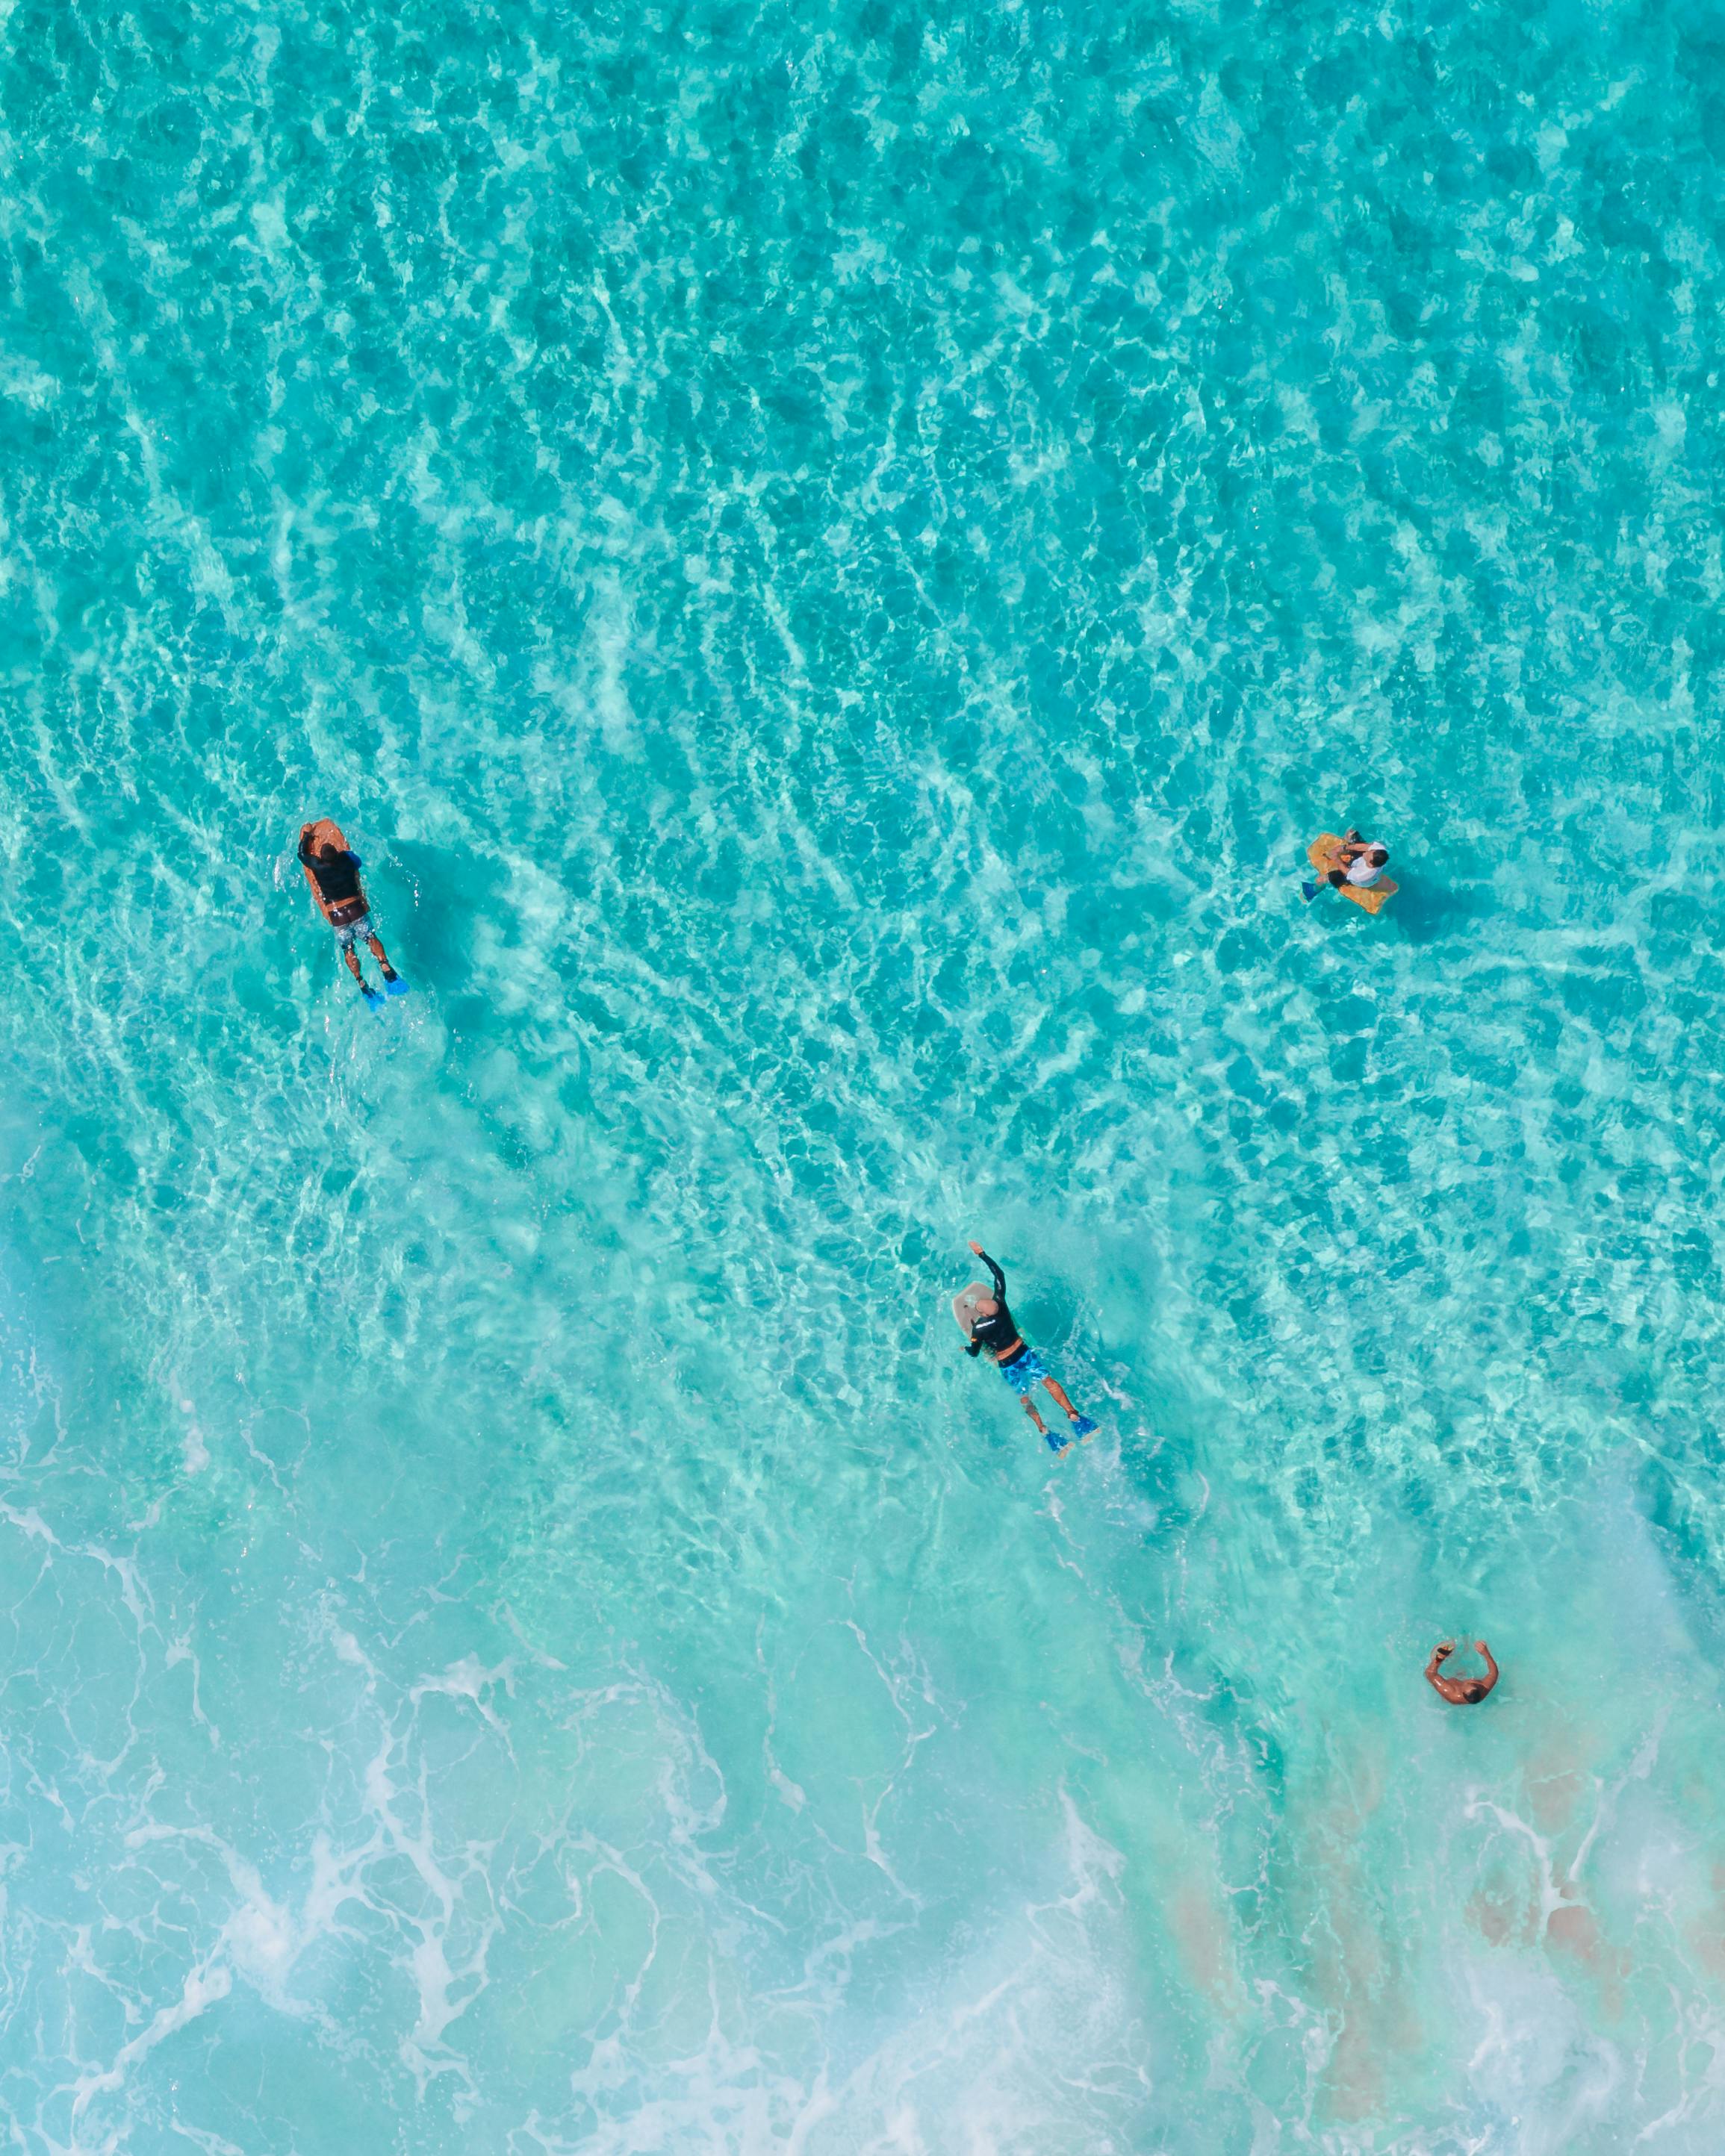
(831, 560)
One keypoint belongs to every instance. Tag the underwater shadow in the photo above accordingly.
(432, 896)
(1426, 912)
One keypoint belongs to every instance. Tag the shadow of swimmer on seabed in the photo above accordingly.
(1352, 865)
(986, 1322)
(333, 873)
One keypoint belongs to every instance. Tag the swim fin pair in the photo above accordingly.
(1082, 1427)
(375, 997)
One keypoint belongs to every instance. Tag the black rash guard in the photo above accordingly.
(996, 1332)
(338, 880)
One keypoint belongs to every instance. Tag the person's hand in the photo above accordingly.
(977, 1247)
(1482, 1647)
(1443, 1650)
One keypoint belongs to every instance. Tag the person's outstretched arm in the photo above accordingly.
(305, 831)
(1439, 1653)
(1491, 1665)
(999, 1277)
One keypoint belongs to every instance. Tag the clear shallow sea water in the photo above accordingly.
(829, 560)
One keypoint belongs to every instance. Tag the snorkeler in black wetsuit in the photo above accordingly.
(987, 1323)
(991, 1325)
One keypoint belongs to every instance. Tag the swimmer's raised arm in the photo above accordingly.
(1451, 1690)
(1000, 1278)
(1491, 1665)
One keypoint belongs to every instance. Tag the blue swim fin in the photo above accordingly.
(1083, 1427)
(374, 997)
(397, 987)
(1310, 891)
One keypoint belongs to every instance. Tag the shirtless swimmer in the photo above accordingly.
(1459, 1691)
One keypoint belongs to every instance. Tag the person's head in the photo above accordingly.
(326, 852)
(985, 1305)
(1377, 856)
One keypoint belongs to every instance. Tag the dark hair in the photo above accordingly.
(326, 852)
(1379, 856)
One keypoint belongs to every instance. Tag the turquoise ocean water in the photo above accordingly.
(829, 560)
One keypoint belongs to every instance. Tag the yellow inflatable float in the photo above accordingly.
(1325, 855)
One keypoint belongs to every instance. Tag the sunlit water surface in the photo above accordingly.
(830, 559)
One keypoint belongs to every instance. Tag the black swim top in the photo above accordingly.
(338, 880)
(996, 1332)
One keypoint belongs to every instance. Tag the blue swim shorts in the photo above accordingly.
(1022, 1372)
(346, 936)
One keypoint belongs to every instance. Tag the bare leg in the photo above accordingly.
(352, 958)
(1060, 1399)
(376, 951)
(1043, 1428)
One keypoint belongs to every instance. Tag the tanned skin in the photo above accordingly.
(1459, 1691)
